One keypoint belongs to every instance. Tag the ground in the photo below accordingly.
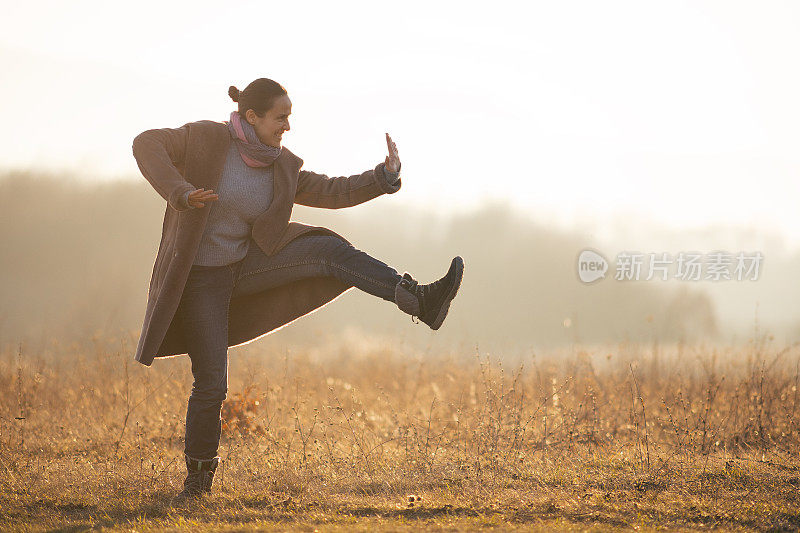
(612, 438)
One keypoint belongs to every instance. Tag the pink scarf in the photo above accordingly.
(253, 151)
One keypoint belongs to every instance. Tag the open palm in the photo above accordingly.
(392, 160)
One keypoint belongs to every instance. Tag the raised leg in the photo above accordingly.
(313, 256)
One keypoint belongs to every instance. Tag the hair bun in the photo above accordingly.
(233, 92)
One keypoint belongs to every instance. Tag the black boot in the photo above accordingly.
(198, 479)
(430, 302)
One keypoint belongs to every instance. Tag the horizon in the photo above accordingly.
(580, 118)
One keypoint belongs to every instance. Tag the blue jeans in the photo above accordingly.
(203, 314)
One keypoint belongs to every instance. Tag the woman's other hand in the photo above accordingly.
(199, 196)
(392, 160)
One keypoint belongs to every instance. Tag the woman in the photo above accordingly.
(231, 266)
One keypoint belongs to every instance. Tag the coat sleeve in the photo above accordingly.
(156, 152)
(318, 190)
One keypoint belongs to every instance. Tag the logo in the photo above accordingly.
(591, 266)
(689, 266)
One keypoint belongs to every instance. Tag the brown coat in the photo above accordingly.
(192, 156)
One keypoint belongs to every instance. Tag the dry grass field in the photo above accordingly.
(341, 438)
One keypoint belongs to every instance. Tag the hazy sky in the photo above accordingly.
(613, 114)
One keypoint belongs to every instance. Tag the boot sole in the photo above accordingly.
(458, 263)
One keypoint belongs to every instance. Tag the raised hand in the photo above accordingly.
(392, 160)
(196, 198)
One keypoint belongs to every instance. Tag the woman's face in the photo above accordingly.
(275, 121)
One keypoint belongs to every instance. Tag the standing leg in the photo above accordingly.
(203, 316)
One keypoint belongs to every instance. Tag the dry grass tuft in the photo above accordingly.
(619, 437)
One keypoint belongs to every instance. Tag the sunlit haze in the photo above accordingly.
(606, 115)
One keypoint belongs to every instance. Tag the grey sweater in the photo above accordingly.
(243, 193)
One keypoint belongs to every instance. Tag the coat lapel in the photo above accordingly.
(206, 149)
(285, 170)
(206, 152)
